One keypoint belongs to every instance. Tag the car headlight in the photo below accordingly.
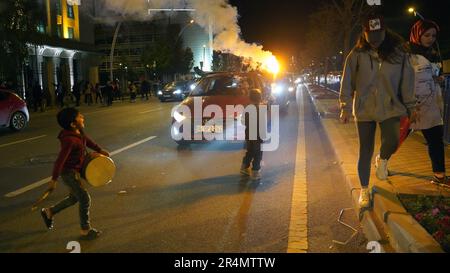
(193, 87)
(177, 92)
(277, 89)
(291, 89)
(160, 93)
(178, 117)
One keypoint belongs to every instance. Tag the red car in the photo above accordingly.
(13, 111)
(222, 90)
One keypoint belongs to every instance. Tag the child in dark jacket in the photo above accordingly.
(253, 146)
(68, 165)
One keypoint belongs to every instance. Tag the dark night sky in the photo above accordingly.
(280, 25)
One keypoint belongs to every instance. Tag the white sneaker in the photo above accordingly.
(382, 168)
(364, 198)
(256, 175)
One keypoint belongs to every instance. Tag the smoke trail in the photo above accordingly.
(224, 18)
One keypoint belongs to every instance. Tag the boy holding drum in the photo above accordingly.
(68, 165)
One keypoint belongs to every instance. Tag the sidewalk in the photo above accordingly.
(388, 222)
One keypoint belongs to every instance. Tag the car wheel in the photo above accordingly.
(18, 121)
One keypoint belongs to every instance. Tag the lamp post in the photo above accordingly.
(182, 31)
(204, 56)
(416, 13)
(116, 33)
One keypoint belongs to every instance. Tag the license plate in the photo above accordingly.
(209, 129)
(167, 96)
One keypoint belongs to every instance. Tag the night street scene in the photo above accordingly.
(250, 129)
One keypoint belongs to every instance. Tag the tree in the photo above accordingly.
(348, 14)
(321, 39)
(187, 61)
(19, 20)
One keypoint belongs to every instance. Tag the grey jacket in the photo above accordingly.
(379, 90)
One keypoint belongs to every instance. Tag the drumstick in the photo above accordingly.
(42, 198)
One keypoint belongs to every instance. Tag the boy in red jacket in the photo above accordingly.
(68, 166)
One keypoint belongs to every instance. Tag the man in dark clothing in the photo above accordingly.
(109, 94)
(37, 97)
(145, 89)
(69, 164)
(77, 93)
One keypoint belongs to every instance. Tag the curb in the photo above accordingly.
(388, 222)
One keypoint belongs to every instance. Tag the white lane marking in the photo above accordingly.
(21, 141)
(150, 111)
(298, 226)
(132, 145)
(96, 112)
(46, 180)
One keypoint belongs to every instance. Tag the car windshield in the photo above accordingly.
(230, 85)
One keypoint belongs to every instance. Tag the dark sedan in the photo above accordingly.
(177, 91)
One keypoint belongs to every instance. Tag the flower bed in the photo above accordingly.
(433, 213)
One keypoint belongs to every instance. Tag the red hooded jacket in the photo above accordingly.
(73, 150)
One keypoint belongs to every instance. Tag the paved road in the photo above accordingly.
(177, 200)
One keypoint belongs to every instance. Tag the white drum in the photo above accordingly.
(98, 170)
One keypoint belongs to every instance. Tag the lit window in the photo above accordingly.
(41, 28)
(70, 11)
(70, 33)
(58, 7)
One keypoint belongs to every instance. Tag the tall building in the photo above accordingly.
(133, 36)
(67, 54)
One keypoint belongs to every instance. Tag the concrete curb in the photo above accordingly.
(388, 222)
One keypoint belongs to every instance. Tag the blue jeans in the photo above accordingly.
(78, 194)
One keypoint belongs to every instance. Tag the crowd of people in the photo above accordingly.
(89, 94)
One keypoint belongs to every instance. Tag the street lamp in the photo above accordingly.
(182, 31)
(416, 13)
(204, 55)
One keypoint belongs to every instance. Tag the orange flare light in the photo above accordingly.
(272, 65)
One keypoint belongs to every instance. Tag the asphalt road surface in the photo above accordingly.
(166, 199)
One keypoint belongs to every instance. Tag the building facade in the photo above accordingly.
(133, 36)
(67, 54)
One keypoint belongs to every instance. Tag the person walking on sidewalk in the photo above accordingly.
(378, 81)
(68, 165)
(429, 120)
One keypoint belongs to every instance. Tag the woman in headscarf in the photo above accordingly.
(429, 120)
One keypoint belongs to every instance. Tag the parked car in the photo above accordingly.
(13, 111)
(175, 91)
(222, 90)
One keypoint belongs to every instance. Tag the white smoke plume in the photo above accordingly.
(223, 16)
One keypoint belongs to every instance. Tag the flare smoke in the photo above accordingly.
(223, 16)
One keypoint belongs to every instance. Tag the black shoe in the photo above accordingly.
(92, 234)
(443, 181)
(48, 221)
